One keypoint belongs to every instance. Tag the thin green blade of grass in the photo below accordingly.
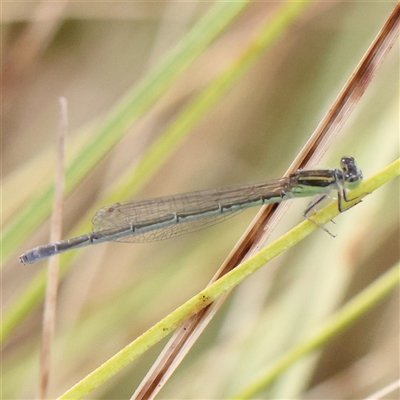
(348, 314)
(154, 157)
(135, 177)
(133, 105)
(229, 281)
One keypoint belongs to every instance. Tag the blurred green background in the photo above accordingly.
(93, 54)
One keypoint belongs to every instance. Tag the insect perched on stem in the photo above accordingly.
(168, 216)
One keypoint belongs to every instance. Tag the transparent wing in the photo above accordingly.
(182, 228)
(205, 208)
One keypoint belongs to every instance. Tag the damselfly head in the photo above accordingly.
(351, 173)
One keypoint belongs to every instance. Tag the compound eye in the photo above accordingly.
(346, 162)
(350, 177)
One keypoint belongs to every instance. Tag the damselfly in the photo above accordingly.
(169, 216)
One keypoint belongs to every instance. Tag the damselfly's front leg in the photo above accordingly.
(311, 206)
